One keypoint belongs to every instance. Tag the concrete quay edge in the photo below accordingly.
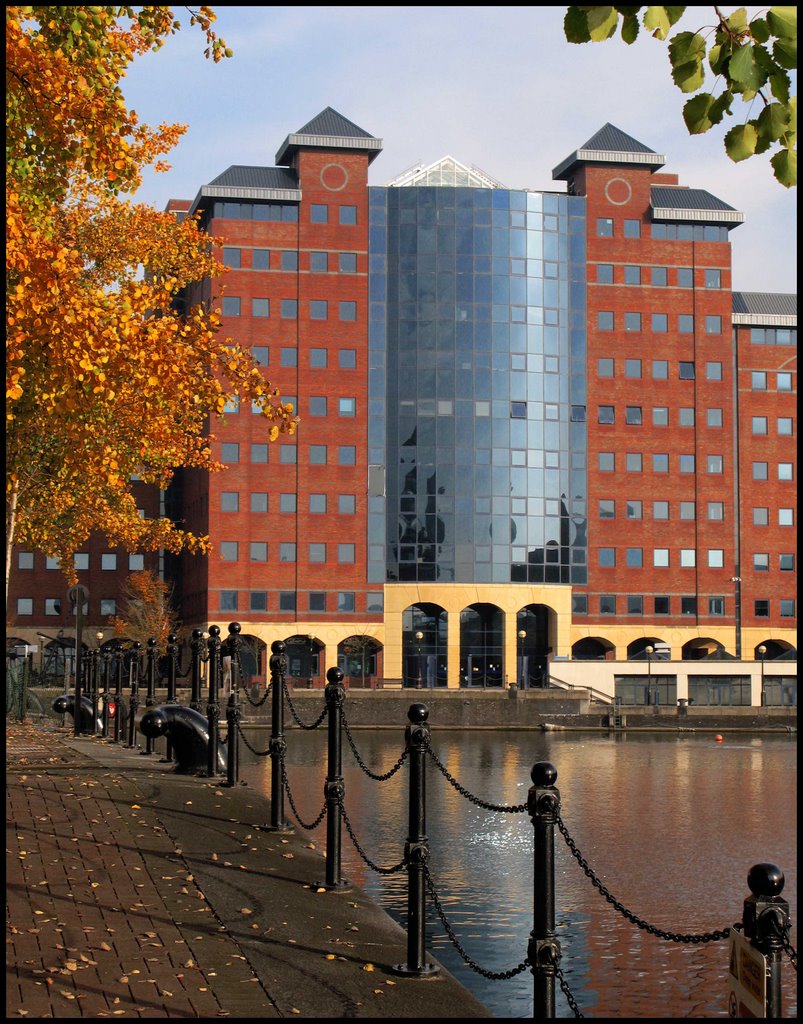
(135, 891)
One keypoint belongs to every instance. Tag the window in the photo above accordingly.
(604, 227)
(518, 410)
(348, 310)
(24, 606)
(607, 557)
(758, 380)
(688, 510)
(287, 551)
(635, 604)
(760, 470)
(259, 501)
(317, 503)
(317, 405)
(716, 558)
(632, 275)
(761, 517)
(607, 604)
(348, 214)
(633, 462)
(258, 551)
(232, 404)
(685, 277)
(785, 426)
(317, 454)
(660, 463)
(347, 358)
(686, 463)
(319, 262)
(347, 455)
(685, 323)
(632, 228)
(260, 259)
(604, 273)
(713, 278)
(713, 417)
(317, 601)
(259, 454)
(688, 605)
(660, 557)
(716, 511)
(231, 305)
(580, 604)
(713, 371)
(761, 562)
(605, 367)
(318, 309)
(258, 601)
(345, 553)
(231, 257)
(784, 381)
(661, 604)
(318, 358)
(346, 504)
(287, 502)
(108, 606)
(787, 608)
(658, 277)
(761, 609)
(786, 517)
(81, 560)
(25, 560)
(786, 562)
(607, 508)
(660, 323)
(716, 605)
(714, 463)
(289, 309)
(605, 414)
(632, 321)
(52, 606)
(229, 550)
(318, 213)
(634, 558)
(345, 601)
(317, 552)
(347, 262)
(633, 369)
(604, 320)
(347, 406)
(108, 561)
(606, 462)
(633, 415)
(785, 471)
(260, 307)
(260, 354)
(290, 260)
(136, 563)
(228, 600)
(287, 601)
(686, 371)
(288, 454)
(288, 357)
(713, 325)
(660, 510)
(660, 416)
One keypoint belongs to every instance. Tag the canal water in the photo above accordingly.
(668, 824)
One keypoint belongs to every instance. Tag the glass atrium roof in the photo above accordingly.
(446, 171)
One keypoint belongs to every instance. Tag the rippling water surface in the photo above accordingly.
(670, 825)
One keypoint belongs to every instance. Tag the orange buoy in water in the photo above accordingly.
(718, 738)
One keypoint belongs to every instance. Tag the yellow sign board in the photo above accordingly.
(747, 978)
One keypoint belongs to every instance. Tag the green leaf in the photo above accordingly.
(759, 30)
(740, 142)
(657, 22)
(784, 164)
(575, 26)
(744, 70)
(674, 14)
(630, 29)
(689, 77)
(785, 53)
(685, 47)
(696, 113)
(773, 120)
(737, 21)
(783, 22)
(602, 23)
(779, 83)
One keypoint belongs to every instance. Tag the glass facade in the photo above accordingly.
(477, 438)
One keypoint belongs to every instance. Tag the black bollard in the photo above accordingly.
(416, 849)
(334, 789)
(119, 667)
(277, 745)
(233, 708)
(190, 735)
(133, 704)
(197, 650)
(105, 695)
(766, 923)
(543, 949)
(213, 706)
(172, 668)
(150, 687)
(93, 664)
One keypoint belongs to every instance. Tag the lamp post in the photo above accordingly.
(96, 680)
(737, 614)
(419, 636)
(522, 679)
(649, 650)
(761, 653)
(311, 639)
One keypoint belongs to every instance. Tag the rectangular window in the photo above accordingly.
(52, 606)
(758, 380)
(607, 557)
(686, 371)
(287, 502)
(660, 557)
(259, 501)
(348, 214)
(288, 454)
(317, 601)
(317, 552)
(633, 558)
(347, 406)
(713, 278)
(633, 369)
(346, 504)
(348, 311)
(318, 309)
(260, 259)
(318, 358)
(318, 213)
(660, 463)
(661, 604)
(685, 277)
(658, 277)
(784, 381)
(579, 604)
(760, 470)
(660, 416)
(715, 463)
(687, 464)
(784, 424)
(604, 227)
(260, 308)
(317, 405)
(660, 510)
(786, 562)
(633, 415)
(347, 263)
(81, 560)
(604, 320)
(660, 323)
(761, 562)
(761, 517)
(347, 358)
(290, 260)
(287, 601)
(635, 604)
(688, 510)
(258, 601)
(605, 414)
(632, 321)
(345, 601)
(716, 605)
(604, 273)
(347, 455)
(108, 561)
(606, 508)
(228, 600)
(258, 551)
(605, 367)
(317, 455)
(688, 605)
(785, 471)
(345, 553)
(633, 462)
(25, 560)
(259, 454)
(136, 563)
(289, 309)
(108, 606)
(229, 550)
(685, 324)
(716, 511)
(713, 325)
(761, 609)
(713, 371)
(787, 608)
(231, 305)
(287, 551)
(786, 517)
(632, 275)
(632, 228)
(716, 558)
(607, 604)
(319, 262)
(713, 418)
(518, 410)
(231, 257)
(260, 354)
(606, 462)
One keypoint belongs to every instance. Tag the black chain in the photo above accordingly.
(564, 987)
(259, 753)
(787, 945)
(293, 712)
(671, 936)
(518, 809)
(364, 766)
(286, 787)
(491, 975)
(262, 699)
(375, 867)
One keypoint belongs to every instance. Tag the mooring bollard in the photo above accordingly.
(543, 949)
(133, 703)
(416, 849)
(213, 706)
(197, 650)
(277, 745)
(333, 789)
(150, 688)
(766, 922)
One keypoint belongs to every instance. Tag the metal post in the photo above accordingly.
(277, 745)
(416, 849)
(118, 691)
(543, 950)
(648, 650)
(311, 639)
(78, 594)
(150, 691)
(762, 651)
(134, 671)
(197, 648)
(419, 636)
(213, 707)
(105, 661)
(233, 708)
(522, 681)
(766, 924)
(334, 789)
(737, 613)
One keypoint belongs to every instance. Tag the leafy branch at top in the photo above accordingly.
(750, 59)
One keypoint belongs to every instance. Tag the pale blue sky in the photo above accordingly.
(494, 87)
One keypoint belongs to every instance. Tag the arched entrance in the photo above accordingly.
(593, 648)
(482, 630)
(358, 658)
(424, 645)
(532, 646)
(303, 654)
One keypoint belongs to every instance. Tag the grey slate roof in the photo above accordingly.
(610, 145)
(238, 176)
(686, 199)
(329, 130)
(764, 304)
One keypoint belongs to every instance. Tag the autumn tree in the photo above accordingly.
(108, 378)
(750, 60)
(146, 610)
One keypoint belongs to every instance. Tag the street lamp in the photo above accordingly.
(311, 639)
(419, 636)
(649, 650)
(737, 613)
(761, 653)
(522, 680)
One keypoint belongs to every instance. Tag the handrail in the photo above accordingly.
(599, 696)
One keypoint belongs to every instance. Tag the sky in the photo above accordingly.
(498, 88)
